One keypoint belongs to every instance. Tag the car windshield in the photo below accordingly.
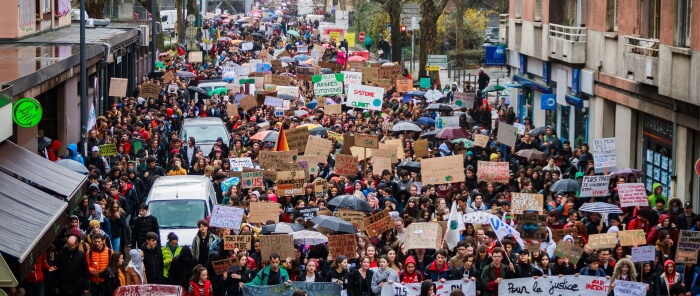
(174, 214)
(204, 133)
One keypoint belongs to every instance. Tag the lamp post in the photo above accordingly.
(83, 80)
(153, 34)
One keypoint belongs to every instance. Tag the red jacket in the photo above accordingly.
(36, 275)
(194, 289)
(409, 278)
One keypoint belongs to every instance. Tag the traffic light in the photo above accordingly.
(403, 29)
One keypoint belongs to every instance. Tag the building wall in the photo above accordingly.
(20, 18)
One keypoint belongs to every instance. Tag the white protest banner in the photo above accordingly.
(274, 102)
(426, 235)
(226, 217)
(365, 97)
(493, 171)
(604, 154)
(237, 164)
(288, 90)
(441, 289)
(594, 186)
(246, 46)
(350, 77)
(441, 170)
(447, 121)
(507, 134)
(526, 202)
(643, 253)
(328, 84)
(550, 286)
(627, 288)
(520, 127)
(632, 194)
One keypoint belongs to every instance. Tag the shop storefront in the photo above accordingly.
(658, 152)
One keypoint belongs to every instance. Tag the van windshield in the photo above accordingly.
(204, 133)
(175, 214)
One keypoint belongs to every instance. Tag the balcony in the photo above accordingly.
(642, 59)
(567, 44)
(503, 18)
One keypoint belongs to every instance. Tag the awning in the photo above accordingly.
(31, 220)
(47, 175)
(531, 84)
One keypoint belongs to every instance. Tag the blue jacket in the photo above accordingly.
(74, 155)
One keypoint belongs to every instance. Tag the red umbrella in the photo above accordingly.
(451, 133)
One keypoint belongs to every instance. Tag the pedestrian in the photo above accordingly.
(114, 275)
(199, 283)
(98, 261)
(271, 274)
(170, 250)
(72, 278)
(135, 272)
(153, 259)
(202, 242)
(142, 225)
(181, 267)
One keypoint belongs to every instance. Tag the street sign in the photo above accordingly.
(432, 68)
(697, 167)
(409, 11)
(498, 74)
(437, 60)
(361, 37)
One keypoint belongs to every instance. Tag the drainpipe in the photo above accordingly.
(674, 178)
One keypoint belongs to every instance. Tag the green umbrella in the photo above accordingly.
(160, 65)
(293, 33)
(467, 143)
(218, 91)
(494, 87)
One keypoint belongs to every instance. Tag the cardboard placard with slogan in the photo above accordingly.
(328, 84)
(280, 80)
(290, 183)
(420, 148)
(350, 77)
(267, 158)
(404, 85)
(369, 74)
(481, 140)
(167, 77)
(261, 212)
(305, 73)
(318, 146)
(442, 170)
(687, 256)
(342, 244)
(357, 218)
(464, 100)
(367, 141)
(389, 72)
(379, 164)
(117, 87)
(348, 142)
(311, 289)
(387, 153)
(150, 90)
(195, 57)
(532, 226)
(232, 110)
(333, 109)
(395, 144)
(378, 223)
(252, 180)
(559, 234)
(226, 217)
(632, 237)
(602, 241)
(526, 202)
(688, 246)
(569, 251)
(507, 134)
(249, 102)
(296, 138)
(426, 235)
(643, 253)
(221, 266)
(282, 244)
(497, 172)
(306, 212)
(320, 186)
(346, 165)
(241, 242)
(108, 149)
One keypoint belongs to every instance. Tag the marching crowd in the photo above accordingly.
(112, 240)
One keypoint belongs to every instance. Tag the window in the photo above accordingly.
(538, 10)
(652, 26)
(46, 6)
(563, 12)
(683, 23)
(611, 16)
(518, 9)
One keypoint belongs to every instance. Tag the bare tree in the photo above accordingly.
(394, 8)
(430, 13)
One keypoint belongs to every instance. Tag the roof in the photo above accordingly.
(45, 173)
(179, 187)
(202, 121)
(27, 214)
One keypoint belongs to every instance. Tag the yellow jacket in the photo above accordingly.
(180, 172)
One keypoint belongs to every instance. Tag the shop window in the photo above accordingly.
(550, 118)
(658, 158)
(564, 132)
(580, 128)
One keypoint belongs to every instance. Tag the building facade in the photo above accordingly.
(614, 68)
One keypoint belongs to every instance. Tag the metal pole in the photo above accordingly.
(83, 79)
(413, 47)
(153, 35)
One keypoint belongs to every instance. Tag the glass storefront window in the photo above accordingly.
(563, 132)
(550, 118)
(580, 127)
(658, 156)
(525, 104)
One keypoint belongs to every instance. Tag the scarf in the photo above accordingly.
(137, 264)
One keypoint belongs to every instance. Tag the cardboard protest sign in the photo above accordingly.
(195, 57)
(335, 136)
(226, 217)
(507, 134)
(117, 87)
(232, 110)
(320, 186)
(150, 90)
(237, 164)
(318, 146)
(240, 242)
(464, 100)
(367, 141)
(594, 186)
(395, 144)
(442, 170)
(632, 237)
(420, 148)
(378, 223)
(602, 241)
(306, 212)
(346, 165)
(567, 250)
(481, 140)
(252, 180)
(221, 266)
(687, 256)
(404, 85)
(423, 236)
(559, 234)
(379, 164)
(261, 212)
(267, 158)
(522, 202)
(357, 218)
(342, 244)
(369, 74)
(632, 195)
(532, 226)
(248, 103)
(108, 149)
(305, 73)
(553, 285)
(286, 166)
(629, 288)
(281, 244)
(389, 72)
(291, 185)
(280, 80)
(333, 109)
(643, 253)
(387, 153)
(689, 240)
(168, 77)
(497, 172)
(296, 138)
(604, 155)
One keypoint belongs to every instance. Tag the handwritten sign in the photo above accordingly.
(240, 242)
(389, 72)
(367, 141)
(632, 194)
(532, 226)
(423, 236)
(291, 186)
(404, 85)
(594, 186)
(521, 202)
(481, 140)
(567, 250)
(195, 57)
(280, 80)
(306, 212)
(442, 170)
(602, 241)
(464, 100)
(689, 240)
(342, 244)
(248, 102)
(221, 266)
(497, 172)
(296, 138)
(357, 218)
(281, 244)
(117, 87)
(150, 90)
(252, 179)
(507, 134)
(379, 164)
(643, 254)
(632, 237)
(226, 217)
(346, 165)
(318, 146)
(108, 149)
(420, 148)
(378, 223)
(369, 74)
(628, 288)
(267, 158)
(564, 285)
(237, 164)
(604, 154)
(687, 256)
(232, 110)
(559, 234)
(261, 212)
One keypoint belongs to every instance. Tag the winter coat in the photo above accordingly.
(36, 275)
(181, 268)
(74, 155)
(264, 274)
(489, 276)
(435, 272)
(654, 197)
(333, 276)
(317, 277)
(355, 283)
(142, 225)
(383, 275)
(98, 261)
(153, 263)
(408, 278)
(209, 240)
(232, 285)
(168, 256)
(664, 285)
(73, 278)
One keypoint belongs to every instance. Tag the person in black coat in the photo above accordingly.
(468, 272)
(239, 275)
(142, 225)
(360, 282)
(218, 281)
(181, 267)
(72, 277)
(524, 268)
(152, 259)
(311, 270)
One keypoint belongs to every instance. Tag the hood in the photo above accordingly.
(135, 256)
(675, 199)
(578, 175)
(569, 238)
(73, 148)
(663, 216)
(669, 261)
(653, 187)
(55, 145)
(98, 212)
(434, 267)
(409, 259)
(620, 263)
(95, 186)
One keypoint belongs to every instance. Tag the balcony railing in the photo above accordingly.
(503, 18)
(641, 46)
(573, 34)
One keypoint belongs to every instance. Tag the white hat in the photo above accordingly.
(95, 149)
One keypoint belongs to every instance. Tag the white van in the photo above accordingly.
(168, 19)
(179, 202)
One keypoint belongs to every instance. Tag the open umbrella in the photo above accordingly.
(299, 113)
(531, 154)
(225, 39)
(565, 185)
(417, 93)
(350, 202)
(451, 133)
(198, 90)
(426, 121)
(218, 91)
(286, 97)
(155, 74)
(184, 74)
(265, 136)
(411, 166)
(539, 131)
(600, 207)
(75, 166)
(406, 126)
(467, 143)
(293, 33)
(334, 223)
(494, 87)
(308, 237)
(257, 35)
(287, 60)
(439, 107)
(319, 131)
(281, 227)
(626, 172)
(430, 134)
(302, 57)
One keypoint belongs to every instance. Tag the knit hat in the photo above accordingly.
(493, 156)
(76, 232)
(94, 223)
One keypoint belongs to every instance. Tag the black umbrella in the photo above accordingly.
(439, 107)
(198, 90)
(430, 134)
(155, 74)
(287, 97)
(411, 166)
(565, 185)
(319, 131)
(257, 35)
(44, 142)
(539, 131)
(350, 202)
(334, 223)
